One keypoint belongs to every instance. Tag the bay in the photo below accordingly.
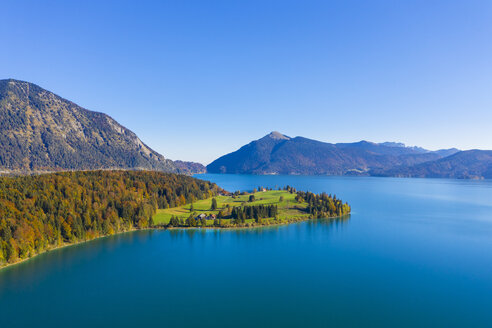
(413, 253)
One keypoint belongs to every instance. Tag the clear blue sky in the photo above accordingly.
(198, 79)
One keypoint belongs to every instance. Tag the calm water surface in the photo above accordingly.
(414, 253)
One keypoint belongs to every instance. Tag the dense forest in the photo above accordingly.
(258, 212)
(41, 212)
(323, 205)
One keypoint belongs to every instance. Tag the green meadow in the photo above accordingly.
(288, 207)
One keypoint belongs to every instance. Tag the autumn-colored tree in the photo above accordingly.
(43, 211)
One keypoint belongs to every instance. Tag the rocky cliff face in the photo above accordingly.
(40, 131)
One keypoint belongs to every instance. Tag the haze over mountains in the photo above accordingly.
(279, 154)
(470, 164)
(40, 131)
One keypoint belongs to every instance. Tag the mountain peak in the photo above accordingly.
(277, 136)
(41, 131)
(14, 82)
(393, 144)
(11, 80)
(276, 153)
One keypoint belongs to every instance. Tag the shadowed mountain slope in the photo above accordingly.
(280, 154)
(470, 164)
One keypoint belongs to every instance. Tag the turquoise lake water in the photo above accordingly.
(413, 253)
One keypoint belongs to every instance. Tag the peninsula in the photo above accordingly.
(261, 207)
(43, 212)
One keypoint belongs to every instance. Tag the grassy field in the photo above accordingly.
(289, 208)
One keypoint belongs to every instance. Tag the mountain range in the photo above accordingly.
(279, 154)
(470, 164)
(40, 131)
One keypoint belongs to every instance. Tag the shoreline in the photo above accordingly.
(66, 245)
(165, 228)
(247, 227)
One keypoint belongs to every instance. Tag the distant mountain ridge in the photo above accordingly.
(189, 167)
(470, 164)
(279, 154)
(40, 131)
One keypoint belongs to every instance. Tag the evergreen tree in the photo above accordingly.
(43, 211)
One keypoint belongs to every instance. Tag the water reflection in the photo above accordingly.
(306, 226)
(338, 222)
(400, 260)
(40, 267)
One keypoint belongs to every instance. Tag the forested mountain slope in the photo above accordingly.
(40, 131)
(279, 154)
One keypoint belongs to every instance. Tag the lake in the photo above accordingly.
(413, 253)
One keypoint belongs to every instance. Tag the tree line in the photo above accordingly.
(323, 205)
(318, 206)
(45, 211)
(255, 212)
